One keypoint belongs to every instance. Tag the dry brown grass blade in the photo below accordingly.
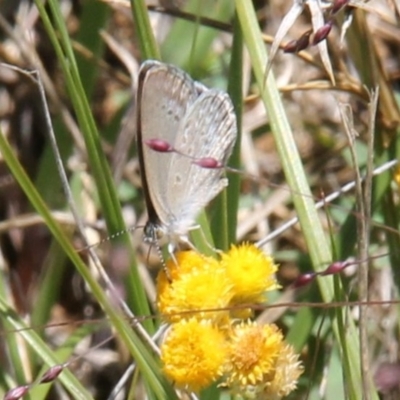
(286, 24)
(318, 20)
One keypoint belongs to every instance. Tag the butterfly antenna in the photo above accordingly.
(161, 257)
(111, 237)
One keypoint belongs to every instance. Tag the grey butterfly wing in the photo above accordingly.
(207, 130)
(163, 97)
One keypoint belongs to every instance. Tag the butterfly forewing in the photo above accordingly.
(164, 93)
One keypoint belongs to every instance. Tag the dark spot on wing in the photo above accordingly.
(178, 179)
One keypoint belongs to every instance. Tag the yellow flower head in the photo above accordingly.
(287, 371)
(193, 354)
(199, 288)
(251, 272)
(185, 262)
(253, 353)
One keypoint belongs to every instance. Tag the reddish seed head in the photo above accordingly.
(16, 393)
(322, 32)
(208, 162)
(290, 47)
(387, 377)
(159, 145)
(297, 45)
(304, 41)
(335, 268)
(51, 374)
(304, 280)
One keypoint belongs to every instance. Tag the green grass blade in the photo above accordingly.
(317, 243)
(147, 42)
(145, 361)
(99, 166)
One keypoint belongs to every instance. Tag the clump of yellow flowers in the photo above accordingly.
(212, 337)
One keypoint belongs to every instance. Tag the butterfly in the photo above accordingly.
(197, 123)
